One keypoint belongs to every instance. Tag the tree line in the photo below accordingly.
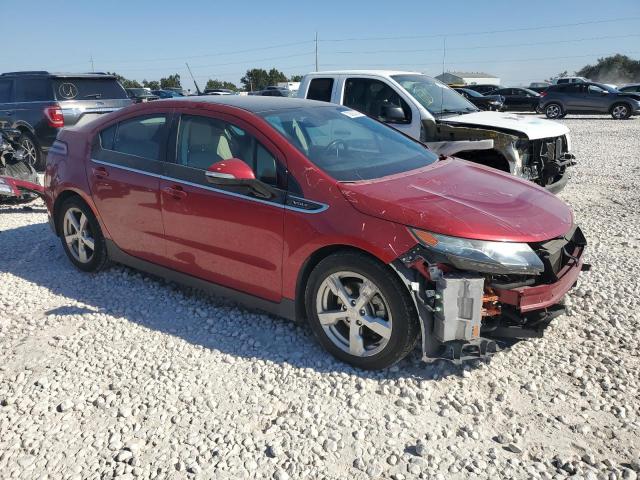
(255, 79)
(617, 69)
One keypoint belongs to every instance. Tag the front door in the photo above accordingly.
(6, 102)
(124, 177)
(231, 237)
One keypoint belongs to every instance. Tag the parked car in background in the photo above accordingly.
(632, 87)
(483, 102)
(538, 86)
(518, 99)
(589, 97)
(219, 91)
(317, 213)
(40, 104)
(274, 92)
(433, 113)
(177, 90)
(564, 80)
(482, 88)
(140, 95)
(166, 93)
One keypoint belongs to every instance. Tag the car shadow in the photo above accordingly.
(34, 254)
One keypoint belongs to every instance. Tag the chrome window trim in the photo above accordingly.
(323, 206)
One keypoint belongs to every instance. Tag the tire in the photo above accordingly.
(85, 232)
(553, 110)
(620, 111)
(347, 332)
(33, 154)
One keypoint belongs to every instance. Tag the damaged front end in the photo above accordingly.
(543, 161)
(471, 294)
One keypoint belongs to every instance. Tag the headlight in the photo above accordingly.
(483, 256)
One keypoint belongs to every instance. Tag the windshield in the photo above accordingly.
(436, 97)
(348, 145)
(91, 88)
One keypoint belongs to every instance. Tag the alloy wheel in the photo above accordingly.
(78, 236)
(354, 314)
(619, 111)
(30, 152)
(553, 111)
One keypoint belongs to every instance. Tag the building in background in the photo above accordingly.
(468, 78)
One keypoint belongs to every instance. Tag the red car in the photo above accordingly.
(315, 212)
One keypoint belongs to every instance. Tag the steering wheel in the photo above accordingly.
(335, 144)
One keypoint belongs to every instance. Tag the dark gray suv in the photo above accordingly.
(40, 103)
(588, 97)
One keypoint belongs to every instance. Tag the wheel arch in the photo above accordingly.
(621, 102)
(312, 261)
(61, 198)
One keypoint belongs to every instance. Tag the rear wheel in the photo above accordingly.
(32, 153)
(360, 312)
(620, 111)
(553, 110)
(81, 236)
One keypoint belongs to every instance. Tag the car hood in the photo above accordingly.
(459, 198)
(533, 127)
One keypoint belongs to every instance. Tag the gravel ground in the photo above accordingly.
(122, 375)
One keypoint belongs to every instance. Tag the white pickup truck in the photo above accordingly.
(430, 111)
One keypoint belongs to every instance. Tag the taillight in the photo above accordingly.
(54, 116)
(543, 94)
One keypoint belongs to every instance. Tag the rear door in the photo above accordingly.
(124, 177)
(225, 235)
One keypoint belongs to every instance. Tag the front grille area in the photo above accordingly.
(557, 253)
(547, 154)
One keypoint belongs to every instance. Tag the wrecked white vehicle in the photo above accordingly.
(426, 109)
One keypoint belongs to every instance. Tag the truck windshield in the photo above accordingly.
(435, 96)
(347, 144)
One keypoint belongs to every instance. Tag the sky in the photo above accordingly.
(519, 42)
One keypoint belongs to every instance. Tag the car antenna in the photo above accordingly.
(194, 80)
(444, 56)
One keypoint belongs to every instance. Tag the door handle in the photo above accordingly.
(175, 191)
(100, 172)
(9, 113)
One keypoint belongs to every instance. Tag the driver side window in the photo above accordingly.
(203, 141)
(369, 96)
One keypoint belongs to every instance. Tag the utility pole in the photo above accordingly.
(444, 52)
(316, 51)
(91, 60)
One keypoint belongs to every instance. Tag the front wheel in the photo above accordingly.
(360, 311)
(553, 110)
(620, 111)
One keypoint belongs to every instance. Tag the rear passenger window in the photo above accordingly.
(33, 90)
(142, 137)
(320, 89)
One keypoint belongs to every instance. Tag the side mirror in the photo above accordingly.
(393, 114)
(235, 173)
(229, 172)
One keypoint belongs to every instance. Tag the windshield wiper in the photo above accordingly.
(93, 95)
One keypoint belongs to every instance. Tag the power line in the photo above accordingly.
(486, 32)
(477, 47)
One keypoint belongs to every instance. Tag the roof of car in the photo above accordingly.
(42, 73)
(253, 103)
(385, 73)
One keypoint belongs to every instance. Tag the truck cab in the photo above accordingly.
(429, 111)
